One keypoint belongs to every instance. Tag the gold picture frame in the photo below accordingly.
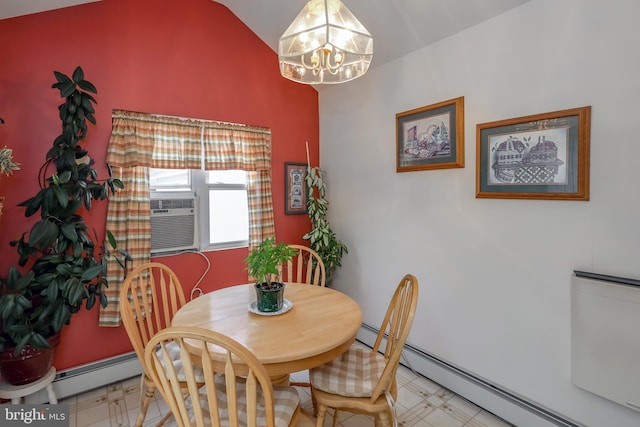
(542, 156)
(431, 137)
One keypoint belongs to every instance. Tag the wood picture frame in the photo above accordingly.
(542, 156)
(431, 137)
(295, 189)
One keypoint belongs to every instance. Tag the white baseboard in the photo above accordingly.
(502, 403)
(83, 378)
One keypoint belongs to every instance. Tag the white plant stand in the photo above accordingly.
(17, 392)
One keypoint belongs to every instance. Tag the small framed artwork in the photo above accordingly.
(543, 156)
(431, 137)
(295, 189)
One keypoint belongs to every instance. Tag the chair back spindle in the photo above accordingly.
(305, 267)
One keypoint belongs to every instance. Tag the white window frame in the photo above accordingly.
(200, 188)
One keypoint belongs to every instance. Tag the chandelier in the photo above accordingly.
(325, 44)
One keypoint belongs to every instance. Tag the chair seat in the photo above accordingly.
(353, 374)
(174, 353)
(285, 399)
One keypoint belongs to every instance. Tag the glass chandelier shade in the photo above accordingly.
(325, 44)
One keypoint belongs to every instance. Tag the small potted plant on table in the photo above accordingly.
(263, 264)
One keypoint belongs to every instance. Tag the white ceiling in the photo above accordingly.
(397, 26)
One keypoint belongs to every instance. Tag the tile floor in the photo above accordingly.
(421, 403)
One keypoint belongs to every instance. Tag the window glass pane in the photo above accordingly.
(228, 216)
(175, 178)
(227, 177)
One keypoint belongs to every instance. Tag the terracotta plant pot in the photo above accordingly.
(30, 365)
(269, 299)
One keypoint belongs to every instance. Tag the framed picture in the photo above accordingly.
(544, 156)
(431, 137)
(295, 189)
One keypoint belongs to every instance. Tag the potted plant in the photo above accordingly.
(263, 264)
(63, 267)
(322, 238)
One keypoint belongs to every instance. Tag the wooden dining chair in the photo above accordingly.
(363, 381)
(150, 296)
(237, 390)
(305, 267)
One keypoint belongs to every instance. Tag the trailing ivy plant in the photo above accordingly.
(65, 270)
(322, 238)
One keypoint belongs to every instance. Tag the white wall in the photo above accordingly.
(494, 273)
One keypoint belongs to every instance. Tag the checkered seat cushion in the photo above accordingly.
(285, 402)
(174, 353)
(354, 374)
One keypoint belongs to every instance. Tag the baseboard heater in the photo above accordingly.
(505, 404)
(605, 339)
(83, 378)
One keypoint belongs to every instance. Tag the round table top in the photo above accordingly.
(320, 326)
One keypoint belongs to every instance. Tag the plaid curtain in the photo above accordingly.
(140, 141)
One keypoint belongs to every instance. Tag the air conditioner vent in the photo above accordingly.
(173, 203)
(173, 225)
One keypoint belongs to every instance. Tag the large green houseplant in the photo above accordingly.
(64, 268)
(321, 237)
(262, 264)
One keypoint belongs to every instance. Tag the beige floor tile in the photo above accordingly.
(427, 385)
(72, 402)
(455, 412)
(102, 423)
(409, 397)
(434, 400)
(356, 421)
(464, 405)
(440, 418)
(444, 394)
(92, 407)
(413, 416)
(132, 382)
(486, 419)
(131, 397)
(404, 376)
(91, 398)
(93, 414)
(118, 413)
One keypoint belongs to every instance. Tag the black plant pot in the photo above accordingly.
(269, 298)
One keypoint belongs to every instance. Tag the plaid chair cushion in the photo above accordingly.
(285, 401)
(174, 353)
(354, 374)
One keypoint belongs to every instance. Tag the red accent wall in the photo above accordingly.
(190, 58)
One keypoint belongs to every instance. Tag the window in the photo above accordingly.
(222, 206)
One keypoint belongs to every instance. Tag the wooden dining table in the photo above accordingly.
(320, 325)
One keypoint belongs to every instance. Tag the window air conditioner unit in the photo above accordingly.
(173, 225)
